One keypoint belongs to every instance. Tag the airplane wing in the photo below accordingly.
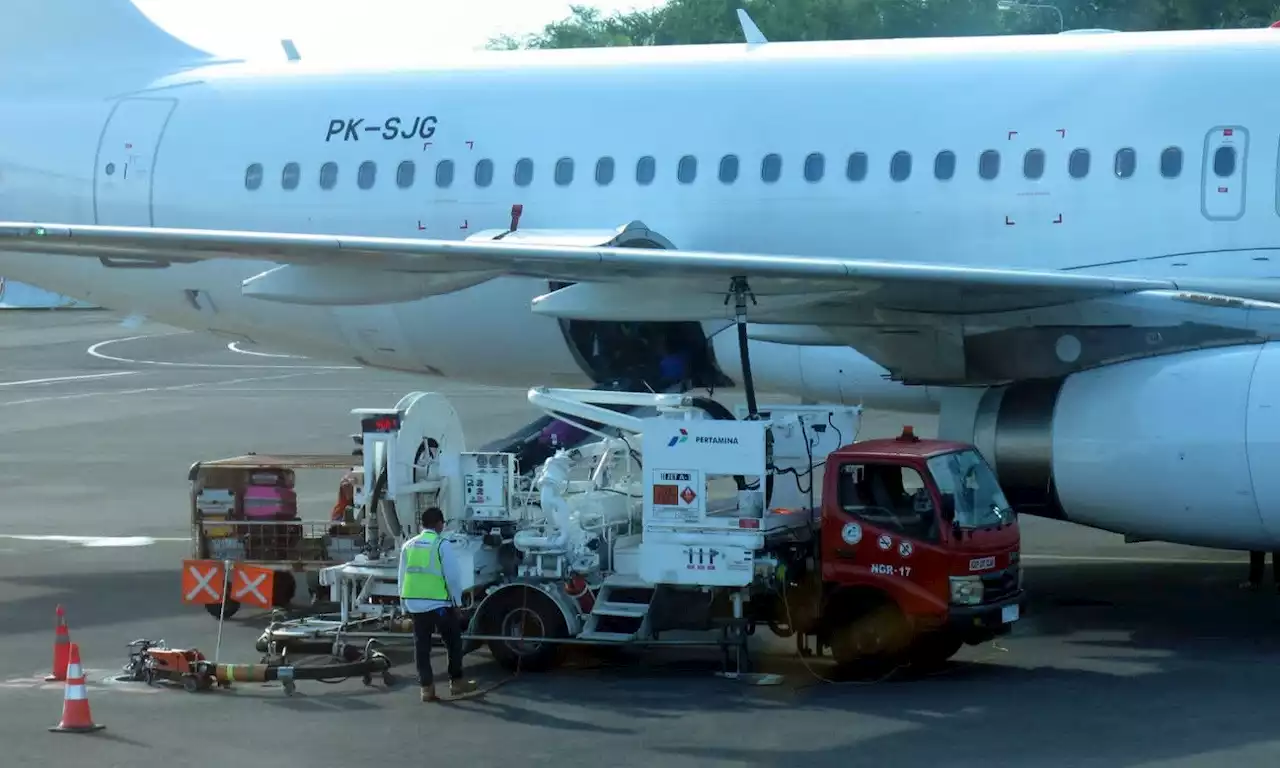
(925, 323)
(890, 285)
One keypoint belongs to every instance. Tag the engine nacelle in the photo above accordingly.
(1180, 448)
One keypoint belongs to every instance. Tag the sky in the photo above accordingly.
(243, 28)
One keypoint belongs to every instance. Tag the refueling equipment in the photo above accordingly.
(686, 520)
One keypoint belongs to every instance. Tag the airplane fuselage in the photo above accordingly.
(1125, 154)
(879, 149)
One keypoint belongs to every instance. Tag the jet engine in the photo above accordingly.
(1180, 448)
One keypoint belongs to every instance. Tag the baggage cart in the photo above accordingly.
(247, 510)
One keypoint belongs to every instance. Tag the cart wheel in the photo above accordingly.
(388, 679)
(190, 684)
(285, 586)
(215, 609)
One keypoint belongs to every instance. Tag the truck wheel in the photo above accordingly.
(524, 613)
(872, 643)
(215, 609)
(930, 652)
(284, 587)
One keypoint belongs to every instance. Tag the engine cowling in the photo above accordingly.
(1180, 448)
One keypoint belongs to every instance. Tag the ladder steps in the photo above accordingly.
(629, 610)
(614, 637)
(620, 581)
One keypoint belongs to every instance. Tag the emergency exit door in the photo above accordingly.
(1226, 149)
(126, 158)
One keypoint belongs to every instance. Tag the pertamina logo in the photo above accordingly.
(684, 436)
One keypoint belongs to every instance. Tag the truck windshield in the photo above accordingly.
(965, 477)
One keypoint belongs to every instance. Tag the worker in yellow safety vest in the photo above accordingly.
(429, 582)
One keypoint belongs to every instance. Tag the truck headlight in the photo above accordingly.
(966, 590)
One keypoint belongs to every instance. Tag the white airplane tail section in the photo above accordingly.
(83, 34)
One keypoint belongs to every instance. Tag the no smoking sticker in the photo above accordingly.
(885, 541)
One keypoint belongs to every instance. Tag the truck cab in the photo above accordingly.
(917, 554)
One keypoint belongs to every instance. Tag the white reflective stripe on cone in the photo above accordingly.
(76, 693)
(73, 671)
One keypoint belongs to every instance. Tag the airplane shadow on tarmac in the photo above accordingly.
(1116, 664)
(90, 599)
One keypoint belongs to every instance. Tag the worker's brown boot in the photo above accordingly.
(459, 687)
(429, 693)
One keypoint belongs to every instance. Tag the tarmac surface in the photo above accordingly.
(1130, 655)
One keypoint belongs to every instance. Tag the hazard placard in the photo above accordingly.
(677, 495)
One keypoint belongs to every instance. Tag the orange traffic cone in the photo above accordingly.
(61, 646)
(76, 717)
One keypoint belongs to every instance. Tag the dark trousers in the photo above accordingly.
(445, 621)
(1258, 567)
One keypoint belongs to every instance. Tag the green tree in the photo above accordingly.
(683, 22)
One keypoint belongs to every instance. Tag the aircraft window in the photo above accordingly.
(814, 166)
(1126, 163)
(367, 174)
(989, 164)
(564, 171)
(328, 175)
(856, 168)
(771, 168)
(1078, 165)
(687, 170)
(1033, 163)
(484, 173)
(405, 173)
(729, 169)
(1224, 161)
(524, 172)
(253, 176)
(900, 166)
(444, 173)
(944, 165)
(646, 167)
(290, 175)
(1171, 162)
(604, 171)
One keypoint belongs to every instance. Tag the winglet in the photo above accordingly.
(290, 50)
(749, 29)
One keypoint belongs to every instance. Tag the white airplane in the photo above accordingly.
(1061, 244)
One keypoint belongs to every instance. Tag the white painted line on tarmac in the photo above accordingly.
(96, 351)
(56, 379)
(235, 347)
(145, 390)
(1111, 559)
(93, 541)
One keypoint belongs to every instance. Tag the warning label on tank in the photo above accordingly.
(676, 496)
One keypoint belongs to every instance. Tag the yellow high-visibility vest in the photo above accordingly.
(424, 572)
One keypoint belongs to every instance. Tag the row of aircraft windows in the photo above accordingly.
(1125, 164)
